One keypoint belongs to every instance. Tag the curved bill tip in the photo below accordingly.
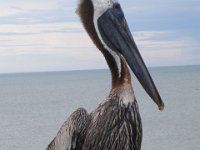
(156, 96)
(161, 107)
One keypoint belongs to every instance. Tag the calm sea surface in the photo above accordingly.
(33, 106)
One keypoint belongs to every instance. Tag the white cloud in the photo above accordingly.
(38, 28)
(43, 47)
(41, 38)
(10, 7)
(161, 48)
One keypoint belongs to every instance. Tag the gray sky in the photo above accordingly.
(46, 35)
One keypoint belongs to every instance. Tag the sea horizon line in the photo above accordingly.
(85, 70)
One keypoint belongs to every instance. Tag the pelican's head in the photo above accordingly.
(114, 34)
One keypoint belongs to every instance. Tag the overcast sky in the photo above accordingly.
(46, 35)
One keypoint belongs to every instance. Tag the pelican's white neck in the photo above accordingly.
(100, 7)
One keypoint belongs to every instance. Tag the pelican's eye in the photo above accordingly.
(117, 6)
(117, 10)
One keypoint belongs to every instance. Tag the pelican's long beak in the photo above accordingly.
(116, 34)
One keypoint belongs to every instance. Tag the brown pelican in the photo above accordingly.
(115, 124)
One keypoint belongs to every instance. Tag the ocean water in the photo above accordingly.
(33, 106)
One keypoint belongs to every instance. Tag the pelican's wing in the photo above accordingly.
(71, 134)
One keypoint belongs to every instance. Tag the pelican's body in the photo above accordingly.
(115, 124)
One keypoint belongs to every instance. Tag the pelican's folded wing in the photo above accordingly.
(71, 134)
